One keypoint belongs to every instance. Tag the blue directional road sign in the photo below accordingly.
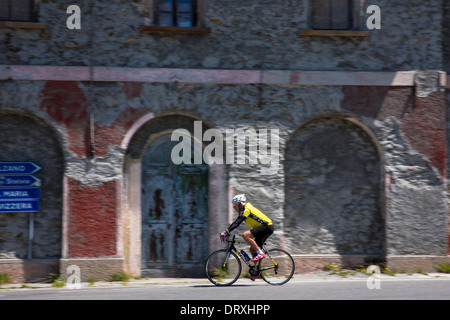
(19, 181)
(20, 206)
(19, 190)
(18, 168)
(20, 193)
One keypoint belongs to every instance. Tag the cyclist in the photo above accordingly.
(261, 226)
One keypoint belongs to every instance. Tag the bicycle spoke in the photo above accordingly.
(223, 268)
(278, 267)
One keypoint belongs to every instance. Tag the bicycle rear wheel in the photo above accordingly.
(223, 269)
(278, 267)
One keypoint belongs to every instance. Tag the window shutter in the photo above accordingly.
(21, 10)
(4, 9)
(321, 14)
(332, 14)
(340, 14)
(17, 10)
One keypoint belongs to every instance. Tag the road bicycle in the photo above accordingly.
(223, 267)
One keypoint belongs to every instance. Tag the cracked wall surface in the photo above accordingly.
(253, 35)
(362, 165)
(390, 208)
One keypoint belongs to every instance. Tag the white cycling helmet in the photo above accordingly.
(238, 199)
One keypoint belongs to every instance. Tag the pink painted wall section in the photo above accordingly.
(93, 220)
(54, 73)
(343, 78)
(113, 134)
(282, 77)
(378, 102)
(132, 89)
(423, 119)
(425, 127)
(66, 104)
(176, 75)
(448, 245)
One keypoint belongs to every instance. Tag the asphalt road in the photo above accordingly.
(390, 288)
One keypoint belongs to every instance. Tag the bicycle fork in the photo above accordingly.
(226, 260)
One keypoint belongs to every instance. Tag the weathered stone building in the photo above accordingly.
(360, 113)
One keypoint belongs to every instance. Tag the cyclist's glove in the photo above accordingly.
(223, 236)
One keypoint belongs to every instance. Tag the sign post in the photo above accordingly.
(20, 192)
(30, 237)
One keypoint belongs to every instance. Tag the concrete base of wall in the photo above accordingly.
(36, 270)
(40, 270)
(311, 263)
(99, 269)
(416, 263)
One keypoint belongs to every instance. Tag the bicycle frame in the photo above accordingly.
(255, 269)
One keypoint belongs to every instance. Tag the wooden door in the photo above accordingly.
(174, 213)
(191, 219)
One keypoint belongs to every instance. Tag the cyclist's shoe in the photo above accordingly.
(258, 257)
(253, 278)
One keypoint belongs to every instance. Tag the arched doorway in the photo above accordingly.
(25, 138)
(174, 211)
(334, 202)
(171, 214)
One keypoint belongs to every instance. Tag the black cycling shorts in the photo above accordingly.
(261, 233)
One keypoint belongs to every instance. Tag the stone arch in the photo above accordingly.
(149, 134)
(334, 189)
(25, 137)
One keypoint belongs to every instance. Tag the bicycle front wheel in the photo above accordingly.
(278, 267)
(223, 268)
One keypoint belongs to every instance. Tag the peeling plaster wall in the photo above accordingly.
(333, 194)
(399, 132)
(244, 35)
(28, 138)
(411, 158)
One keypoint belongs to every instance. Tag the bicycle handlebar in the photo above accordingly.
(230, 235)
(234, 241)
(233, 236)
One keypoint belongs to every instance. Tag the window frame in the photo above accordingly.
(354, 16)
(356, 29)
(151, 27)
(32, 12)
(195, 21)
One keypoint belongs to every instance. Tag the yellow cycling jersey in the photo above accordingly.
(254, 217)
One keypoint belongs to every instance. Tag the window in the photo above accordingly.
(176, 16)
(334, 14)
(17, 10)
(335, 18)
(175, 13)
